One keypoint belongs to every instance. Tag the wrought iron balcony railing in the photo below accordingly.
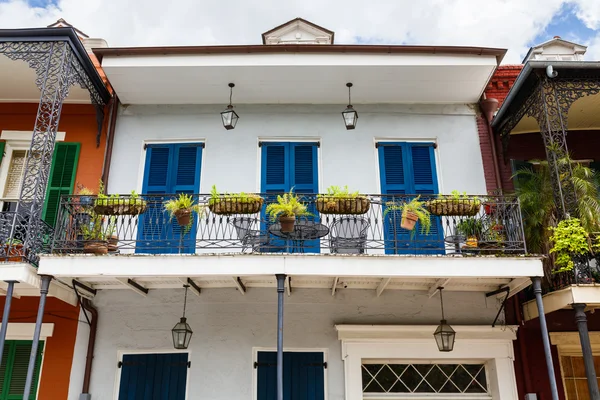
(370, 224)
(14, 243)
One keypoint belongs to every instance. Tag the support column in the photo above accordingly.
(537, 290)
(586, 349)
(45, 284)
(7, 302)
(280, 292)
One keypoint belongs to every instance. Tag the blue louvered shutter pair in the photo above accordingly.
(303, 376)
(169, 169)
(153, 376)
(409, 168)
(290, 165)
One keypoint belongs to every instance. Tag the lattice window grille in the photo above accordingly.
(402, 379)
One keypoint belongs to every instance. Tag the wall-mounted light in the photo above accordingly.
(444, 334)
(229, 116)
(349, 114)
(182, 332)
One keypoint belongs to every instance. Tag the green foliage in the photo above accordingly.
(241, 197)
(287, 205)
(337, 192)
(569, 239)
(416, 207)
(536, 197)
(133, 199)
(183, 202)
(12, 242)
(95, 229)
(470, 227)
(84, 191)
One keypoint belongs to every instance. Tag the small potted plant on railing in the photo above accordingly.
(569, 240)
(341, 201)
(13, 248)
(471, 229)
(413, 211)
(286, 209)
(182, 207)
(234, 203)
(94, 236)
(455, 204)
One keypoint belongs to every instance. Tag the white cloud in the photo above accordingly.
(511, 24)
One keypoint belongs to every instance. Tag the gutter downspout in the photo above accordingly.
(87, 305)
(110, 137)
(489, 107)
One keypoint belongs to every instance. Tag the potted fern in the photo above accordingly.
(413, 211)
(234, 203)
(455, 204)
(342, 201)
(286, 209)
(182, 207)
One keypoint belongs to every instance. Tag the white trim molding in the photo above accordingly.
(24, 330)
(568, 343)
(588, 294)
(26, 136)
(492, 346)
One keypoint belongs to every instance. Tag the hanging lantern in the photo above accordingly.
(444, 334)
(349, 114)
(182, 333)
(229, 116)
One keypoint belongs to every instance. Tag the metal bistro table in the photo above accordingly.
(303, 230)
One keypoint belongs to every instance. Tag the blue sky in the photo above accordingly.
(566, 25)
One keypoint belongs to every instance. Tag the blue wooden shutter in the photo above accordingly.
(169, 169)
(304, 179)
(266, 375)
(153, 376)
(303, 376)
(275, 168)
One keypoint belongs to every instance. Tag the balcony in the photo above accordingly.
(370, 224)
(14, 246)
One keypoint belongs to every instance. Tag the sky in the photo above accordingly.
(515, 25)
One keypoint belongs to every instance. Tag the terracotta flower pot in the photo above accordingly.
(96, 247)
(409, 220)
(14, 252)
(287, 223)
(183, 217)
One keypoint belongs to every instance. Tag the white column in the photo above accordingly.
(503, 384)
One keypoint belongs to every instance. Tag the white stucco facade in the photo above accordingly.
(230, 327)
(231, 159)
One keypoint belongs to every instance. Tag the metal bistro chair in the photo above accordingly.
(348, 235)
(254, 239)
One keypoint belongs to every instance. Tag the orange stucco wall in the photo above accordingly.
(78, 121)
(58, 350)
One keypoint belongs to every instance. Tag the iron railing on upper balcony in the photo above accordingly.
(370, 224)
(14, 225)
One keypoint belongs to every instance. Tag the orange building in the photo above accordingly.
(77, 162)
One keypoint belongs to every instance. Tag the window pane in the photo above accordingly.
(15, 174)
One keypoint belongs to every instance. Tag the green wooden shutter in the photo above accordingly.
(13, 371)
(2, 144)
(62, 178)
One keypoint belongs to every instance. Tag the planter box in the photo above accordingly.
(121, 207)
(463, 207)
(336, 205)
(230, 206)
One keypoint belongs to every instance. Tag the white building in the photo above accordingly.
(361, 294)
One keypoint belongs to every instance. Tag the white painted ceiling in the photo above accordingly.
(298, 78)
(17, 84)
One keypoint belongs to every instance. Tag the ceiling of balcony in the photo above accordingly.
(583, 115)
(18, 84)
(299, 78)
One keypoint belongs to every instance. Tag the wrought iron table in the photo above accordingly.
(303, 230)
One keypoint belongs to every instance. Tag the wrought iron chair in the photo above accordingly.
(251, 238)
(348, 235)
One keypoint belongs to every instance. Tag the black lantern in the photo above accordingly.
(349, 114)
(182, 333)
(444, 334)
(229, 116)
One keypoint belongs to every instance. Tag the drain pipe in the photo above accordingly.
(489, 107)
(87, 305)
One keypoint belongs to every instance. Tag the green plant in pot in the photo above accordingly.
(234, 203)
(339, 200)
(94, 236)
(471, 229)
(569, 240)
(182, 207)
(412, 211)
(286, 209)
(13, 248)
